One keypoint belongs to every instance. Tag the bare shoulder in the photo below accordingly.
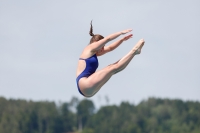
(95, 46)
(87, 52)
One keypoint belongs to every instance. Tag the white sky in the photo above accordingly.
(41, 41)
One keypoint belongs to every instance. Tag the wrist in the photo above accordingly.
(121, 33)
(122, 39)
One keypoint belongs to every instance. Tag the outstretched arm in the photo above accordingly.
(97, 45)
(114, 45)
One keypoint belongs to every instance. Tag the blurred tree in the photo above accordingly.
(73, 104)
(107, 100)
(85, 109)
(150, 116)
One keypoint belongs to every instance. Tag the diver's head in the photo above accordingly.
(95, 37)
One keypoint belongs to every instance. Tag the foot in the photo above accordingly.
(138, 47)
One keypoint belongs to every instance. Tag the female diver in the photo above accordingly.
(89, 81)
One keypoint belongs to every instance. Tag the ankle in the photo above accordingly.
(136, 51)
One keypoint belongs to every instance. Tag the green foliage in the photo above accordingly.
(88, 130)
(20, 116)
(150, 116)
(85, 109)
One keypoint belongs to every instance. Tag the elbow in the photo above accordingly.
(110, 49)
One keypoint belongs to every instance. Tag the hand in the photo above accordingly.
(127, 37)
(126, 31)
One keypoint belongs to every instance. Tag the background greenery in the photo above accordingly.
(149, 116)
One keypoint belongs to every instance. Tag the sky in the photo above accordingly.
(41, 41)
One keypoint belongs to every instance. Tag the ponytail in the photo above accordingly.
(96, 37)
(91, 30)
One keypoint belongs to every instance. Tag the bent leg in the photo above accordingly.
(91, 85)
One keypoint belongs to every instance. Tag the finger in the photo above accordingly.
(128, 30)
(129, 35)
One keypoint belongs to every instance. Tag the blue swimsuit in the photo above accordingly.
(91, 66)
